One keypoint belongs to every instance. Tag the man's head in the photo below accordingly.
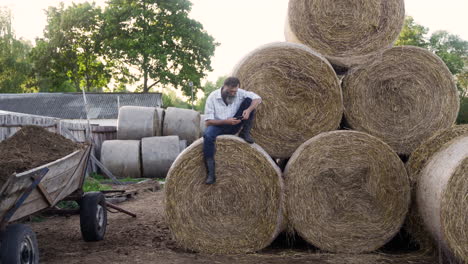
(230, 87)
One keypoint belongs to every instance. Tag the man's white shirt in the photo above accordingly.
(215, 107)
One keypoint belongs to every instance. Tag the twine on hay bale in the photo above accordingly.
(417, 161)
(442, 197)
(241, 212)
(346, 192)
(346, 32)
(402, 98)
(300, 92)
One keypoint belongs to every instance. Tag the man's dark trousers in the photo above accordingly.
(211, 132)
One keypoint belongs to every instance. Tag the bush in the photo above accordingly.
(463, 114)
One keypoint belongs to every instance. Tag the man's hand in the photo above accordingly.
(246, 114)
(232, 121)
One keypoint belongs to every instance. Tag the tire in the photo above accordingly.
(18, 245)
(93, 216)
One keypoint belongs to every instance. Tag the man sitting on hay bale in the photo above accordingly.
(226, 111)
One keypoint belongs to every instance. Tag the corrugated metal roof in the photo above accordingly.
(71, 105)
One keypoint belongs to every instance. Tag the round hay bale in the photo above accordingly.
(442, 197)
(300, 91)
(202, 125)
(184, 123)
(161, 113)
(417, 161)
(241, 212)
(348, 33)
(122, 158)
(158, 154)
(403, 98)
(137, 122)
(182, 145)
(346, 191)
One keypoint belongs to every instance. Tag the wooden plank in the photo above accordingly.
(45, 194)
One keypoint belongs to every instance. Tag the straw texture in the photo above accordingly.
(346, 191)
(414, 166)
(242, 212)
(300, 92)
(403, 98)
(348, 33)
(442, 197)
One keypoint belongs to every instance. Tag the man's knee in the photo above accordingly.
(210, 133)
(247, 101)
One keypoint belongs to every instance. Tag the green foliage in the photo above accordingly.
(159, 40)
(450, 48)
(170, 99)
(15, 69)
(69, 57)
(91, 184)
(463, 114)
(207, 89)
(412, 34)
(68, 205)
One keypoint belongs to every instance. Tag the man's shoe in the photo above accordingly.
(245, 132)
(210, 168)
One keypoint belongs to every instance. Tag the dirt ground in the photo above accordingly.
(146, 239)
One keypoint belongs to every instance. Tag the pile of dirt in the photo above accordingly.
(30, 147)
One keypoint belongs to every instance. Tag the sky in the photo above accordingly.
(243, 25)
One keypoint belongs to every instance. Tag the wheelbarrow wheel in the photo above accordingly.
(93, 216)
(19, 245)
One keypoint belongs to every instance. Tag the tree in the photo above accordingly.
(450, 48)
(159, 40)
(15, 68)
(207, 89)
(412, 34)
(69, 57)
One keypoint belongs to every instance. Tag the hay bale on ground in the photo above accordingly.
(300, 92)
(182, 145)
(122, 157)
(158, 154)
(348, 33)
(202, 125)
(137, 122)
(416, 163)
(184, 123)
(442, 197)
(161, 114)
(241, 212)
(403, 98)
(346, 191)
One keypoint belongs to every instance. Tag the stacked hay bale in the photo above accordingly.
(182, 122)
(403, 98)
(347, 33)
(441, 197)
(301, 95)
(142, 147)
(136, 122)
(346, 191)
(417, 163)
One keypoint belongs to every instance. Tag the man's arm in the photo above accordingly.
(253, 106)
(230, 121)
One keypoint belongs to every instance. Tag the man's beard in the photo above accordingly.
(230, 99)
